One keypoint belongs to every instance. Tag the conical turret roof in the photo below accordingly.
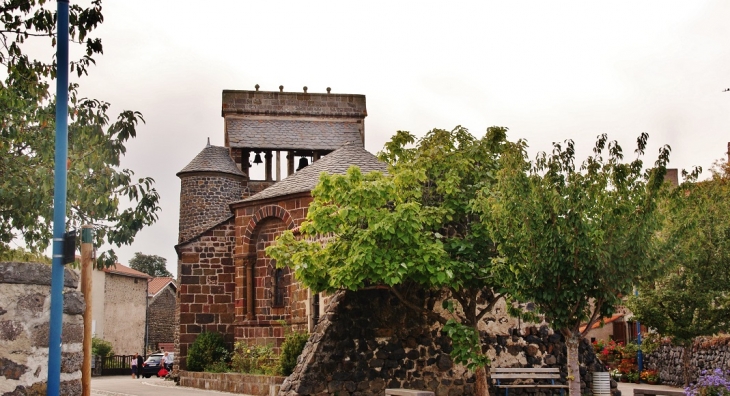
(212, 159)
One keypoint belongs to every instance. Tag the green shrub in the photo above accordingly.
(218, 367)
(254, 359)
(101, 348)
(291, 348)
(208, 349)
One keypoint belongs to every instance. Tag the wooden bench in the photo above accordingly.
(533, 375)
(657, 392)
(407, 392)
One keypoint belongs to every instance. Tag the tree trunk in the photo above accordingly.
(686, 352)
(571, 342)
(481, 386)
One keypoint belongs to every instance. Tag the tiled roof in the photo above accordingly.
(212, 159)
(336, 162)
(155, 285)
(292, 134)
(119, 269)
(605, 321)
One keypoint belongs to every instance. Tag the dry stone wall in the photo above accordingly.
(368, 341)
(707, 353)
(25, 301)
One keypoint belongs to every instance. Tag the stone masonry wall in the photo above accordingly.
(161, 321)
(293, 104)
(256, 385)
(204, 200)
(265, 326)
(25, 301)
(707, 353)
(207, 286)
(368, 341)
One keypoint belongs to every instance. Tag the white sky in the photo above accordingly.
(549, 71)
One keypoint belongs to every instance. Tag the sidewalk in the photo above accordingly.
(627, 388)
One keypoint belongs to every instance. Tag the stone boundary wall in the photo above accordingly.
(25, 301)
(707, 353)
(367, 341)
(257, 385)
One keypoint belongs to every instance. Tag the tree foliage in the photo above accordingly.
(23, 256)
(208, 349)
(573, 240)
(689, 296)
(414, 225)
(100, 347)
(150, 264)
(97, 188)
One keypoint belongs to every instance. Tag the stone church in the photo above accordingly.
(227, 218)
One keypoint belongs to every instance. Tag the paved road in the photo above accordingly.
(124, 385)
(627, 389)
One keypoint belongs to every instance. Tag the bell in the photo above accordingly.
(302, 163)
(257, 159)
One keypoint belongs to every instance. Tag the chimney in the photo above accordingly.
(672, 177)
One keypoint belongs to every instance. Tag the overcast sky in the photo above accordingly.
(548, 71)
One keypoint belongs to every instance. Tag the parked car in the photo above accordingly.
(152, 365)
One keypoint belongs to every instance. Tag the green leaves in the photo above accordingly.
(97, 189)
(467, 346)
(150, 264)
(572, 235)
(417, 224)
(687, 296)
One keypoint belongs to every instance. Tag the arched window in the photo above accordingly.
(279, 287)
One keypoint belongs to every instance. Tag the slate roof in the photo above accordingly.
(155, 285)
(212, 159)
(336, 162)
(292, 134)
(119, 269)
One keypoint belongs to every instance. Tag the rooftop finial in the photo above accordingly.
(208, 145)
(329, 89)
(257, 87)
(305, 89)
(281, 88)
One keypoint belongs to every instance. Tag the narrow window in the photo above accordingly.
(279, 287)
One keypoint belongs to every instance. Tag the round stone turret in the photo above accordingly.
(208, 184)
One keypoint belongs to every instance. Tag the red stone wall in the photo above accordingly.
(207, 286)
(257, 226)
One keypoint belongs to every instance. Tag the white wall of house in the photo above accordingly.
(98, 280)
(125, 311)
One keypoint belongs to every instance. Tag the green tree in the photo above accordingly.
(415, 225)
(23, 256)
(690, 295)
(573, 240)
(150, 264)
(97, 188)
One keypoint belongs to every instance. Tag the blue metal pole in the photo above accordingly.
(59, 201)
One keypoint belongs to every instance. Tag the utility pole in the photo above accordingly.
(87, 262)
(59, 201)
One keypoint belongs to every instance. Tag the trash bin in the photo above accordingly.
(601, 383)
